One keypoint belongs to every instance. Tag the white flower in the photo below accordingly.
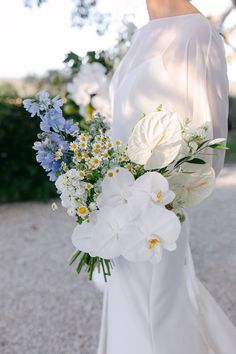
(58, 154)
(90, 80)
(155, 140)
(151, 189)
(81, 174)
(82, 234)
(115, 187)
(71, 186)
(73, 146)
(155, 230)
(82, 211)
(68, 201)
(193, 188)
(54, 206)
(101, 237)
(95, 162)
(101, 103)
(108, 230)
(83, 145)
(83, 138)
(61, 182)
(71, 211)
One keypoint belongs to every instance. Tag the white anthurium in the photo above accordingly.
(156, 229)
(152, 188)
(193, 183)
(116, 187)
(107, 232)
(156, 140)
(83, 233)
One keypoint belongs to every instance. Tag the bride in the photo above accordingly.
(176, 59)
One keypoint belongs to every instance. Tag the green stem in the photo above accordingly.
(103, 269)
(107, 263)
(93, 261)
(81, 263)
(74, 256)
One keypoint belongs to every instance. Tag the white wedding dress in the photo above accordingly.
(164, 309)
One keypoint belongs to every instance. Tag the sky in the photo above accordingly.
(36, 40)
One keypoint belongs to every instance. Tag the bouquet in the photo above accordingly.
(128, 199)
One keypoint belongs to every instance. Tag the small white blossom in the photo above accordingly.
(73, 146)
(58, 154)
(54, 206)
(82, 211)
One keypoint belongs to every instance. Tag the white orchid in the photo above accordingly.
(155, 140)
(193, 188)
(152, 188)
(108, 231)
(102, 236)
(116, 187)
(145, 239)
(83, 233)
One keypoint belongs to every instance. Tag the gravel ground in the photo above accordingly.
(45, 308)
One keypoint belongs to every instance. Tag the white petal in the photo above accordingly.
(151, 182)
(217, 141)
(169, 246)
(81, 236)
(105, 241)
(115, 189)
(155, 222)
(159, 221)
(193, 188)
(156, 255)
(134, 244)
(158, 133)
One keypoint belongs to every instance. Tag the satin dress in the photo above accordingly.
(164, 309)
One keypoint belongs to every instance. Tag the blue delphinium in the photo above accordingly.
(52, 120)
(32, 107)
(57, 132)
(42, 103)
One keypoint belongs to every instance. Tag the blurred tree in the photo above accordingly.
(7, 90)
(228, 32)
(84, 12)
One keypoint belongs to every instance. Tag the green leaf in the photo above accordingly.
(184, 159)
(219, 147)
(203, 143)
(197, 161)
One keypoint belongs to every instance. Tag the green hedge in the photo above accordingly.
(21, 177)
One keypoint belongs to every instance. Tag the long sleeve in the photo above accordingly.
(208, 87)
(217, 93)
